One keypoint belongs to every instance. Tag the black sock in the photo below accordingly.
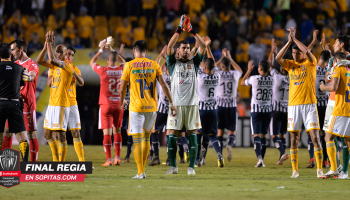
(167, 140)
(221, 139)
(205, 144)
(199, 142)
(324, 148)
(257, 147)
(216, 144)
(181, 149)
(128, 150)
(278, 145)
(232, 139)
(310, 147)
(263, 147)
(155, 144)
(184, 143)
(284, 143)
(150, 149)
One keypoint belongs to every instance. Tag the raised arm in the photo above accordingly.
(273, 53)
(233, 63)
(247, 74)
(171, 44)
(40, 59)
(223, 55)
(323, 41)
(161, 54)
(301, 46)
(207, 42)
(201, 43)
(279, 57)
(314, 40)
(97, 55)
(167, 93)
(79, 78)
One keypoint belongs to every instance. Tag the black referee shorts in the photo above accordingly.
(11, 111)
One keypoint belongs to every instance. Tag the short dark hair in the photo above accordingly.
(113, 56)
(346, 40)
(209, 63)
(5, 50)
(71, 48)
(128, 59)
(265, 66)
(226, 62)
(20, 43)
(340, 55)
(325, 55)
(141, 46)
(296, 47)
(182, 42)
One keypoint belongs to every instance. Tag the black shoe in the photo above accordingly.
(182, 160)
(150, 158)
(197, 163)
(167, 162)
(155, 161)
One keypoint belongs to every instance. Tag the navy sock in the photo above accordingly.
(129, 147)
(155, 144)
(221, 139)
(278, 145)
(232, 140)
(151, 149)
(181, 149)
(205, 144)
(310, 147)
(199, 142)
(324, 148)
(184, 143)
(216, 143)
(284, 143)
(263, 147)
(257, 147)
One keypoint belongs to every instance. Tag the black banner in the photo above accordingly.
(56, 167)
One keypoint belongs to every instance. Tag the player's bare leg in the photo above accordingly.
(172, 149)
(48, 134)
(294, 152)
(231, 143)
(117, 144)
(78, 145)
(23, 145)
(7, 142)
(315, 137)
(34, 146)
(107, 145)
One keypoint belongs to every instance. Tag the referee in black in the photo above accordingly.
(12, 77)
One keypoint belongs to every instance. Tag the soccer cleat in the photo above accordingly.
(136, 177)
(320, 173)
(326, 164)
(126, 160)
(263, 165)
(229, 153)
(197, 163)
(311, 163)
(332, 173)
(203, 161)
(187, 156)
(116, 160)
(155, 161)
(259, 163)
(182, 160)
(221, 161)
(108, 162)
(191, 171)
(282, 159)
(343, 175)
(295, 174)
(150, 158)
(142, 176)
(172, 170)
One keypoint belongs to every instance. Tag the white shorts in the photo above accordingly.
(56, 118)
(303, 114)
(74, 118)
(329, 111)
(339, 126)
(187, 116)
(140, 122)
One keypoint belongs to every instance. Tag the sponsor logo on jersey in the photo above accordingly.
(147, 107)
(336, 130)
(142, 71)
(294, 77)
(142, 64)
(8, 67)
(314, 124)
(298, 83)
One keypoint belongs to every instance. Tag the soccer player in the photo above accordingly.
(342, 44)
(339, 121)
(208, 86)
(57, 113)
(226, 99)
(183, 73)
(302, 107)
(141, 75)
(74, 124)
(162, 113)
(110, 114)
(278, 124)
(261, 107)
(19, 51)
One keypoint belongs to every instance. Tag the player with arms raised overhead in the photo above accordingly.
(183, 73)
(302, 108)
(141, 74)
(110, 114)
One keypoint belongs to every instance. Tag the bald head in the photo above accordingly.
(60, 52)
(112, 58)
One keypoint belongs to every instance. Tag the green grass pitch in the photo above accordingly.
(239, 179)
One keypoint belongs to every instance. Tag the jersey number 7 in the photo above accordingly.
(143, 86)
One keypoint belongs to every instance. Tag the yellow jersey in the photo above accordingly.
(342, 95)
(141, 73)
(73, 89)
(61, 82)
(302, 77)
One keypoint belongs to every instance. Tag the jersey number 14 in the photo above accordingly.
(143, 87)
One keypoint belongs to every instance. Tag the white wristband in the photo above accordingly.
(101, 51)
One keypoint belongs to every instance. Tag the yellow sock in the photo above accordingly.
(63, 151)
(79, 149)
(294, 158)
(332, 154)
(137, 138)
(23, 147)
(319, 157)
(54, 149)
(145, 148)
